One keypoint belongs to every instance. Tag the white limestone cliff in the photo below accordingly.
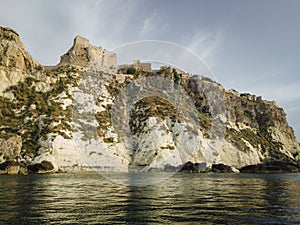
(62, 114)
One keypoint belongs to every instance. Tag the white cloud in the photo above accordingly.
(104, 22)
(206, 44)
(152, 25)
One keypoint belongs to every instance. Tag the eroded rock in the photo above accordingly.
(272, 167)
(43, 167)
(10, 167)
(221, 168)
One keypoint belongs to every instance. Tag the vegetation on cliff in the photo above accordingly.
(39, 108)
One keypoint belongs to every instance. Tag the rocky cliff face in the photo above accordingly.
(15, 62)
(76, 116)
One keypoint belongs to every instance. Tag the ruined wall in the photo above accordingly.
(83, 54)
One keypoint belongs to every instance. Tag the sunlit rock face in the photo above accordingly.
(15, 62)
(63, 114)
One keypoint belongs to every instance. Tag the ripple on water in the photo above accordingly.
(182, 199)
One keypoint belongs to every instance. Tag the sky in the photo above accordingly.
(251, 46)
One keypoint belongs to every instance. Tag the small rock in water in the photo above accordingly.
(43, 167)
(272, 167)
(221, 168)
(10, 167)
(194, 167)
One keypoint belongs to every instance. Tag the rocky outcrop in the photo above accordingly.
(65, 115)
(272, 167)
(12, 167)
(10, 147)
(41, 168)
(15, 62)
(13, 53)
(221, 168)
(257, 129)
(194, 167)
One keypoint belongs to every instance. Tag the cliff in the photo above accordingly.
(15, 62)
(83, 114)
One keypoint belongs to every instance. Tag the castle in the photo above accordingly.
(83, 54)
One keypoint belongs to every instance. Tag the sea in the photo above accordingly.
(183, 198)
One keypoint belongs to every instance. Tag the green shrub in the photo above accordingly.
(176, 76)
(131, 70)
(108, 140)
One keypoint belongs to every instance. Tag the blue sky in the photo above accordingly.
(251, 46)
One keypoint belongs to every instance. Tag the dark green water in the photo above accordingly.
(182, 199)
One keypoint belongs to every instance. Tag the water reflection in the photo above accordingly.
(16, 201)
(184, 198)
(283, 197)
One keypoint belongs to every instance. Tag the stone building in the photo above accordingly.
(140, 66)
(137, 65)
(171, 70)
(82, 53)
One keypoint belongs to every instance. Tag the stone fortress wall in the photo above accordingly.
(83, 54)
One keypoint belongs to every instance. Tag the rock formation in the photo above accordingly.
(85, 55)
(64, 116)
(15, 62)
(11, 167)
(10, 146)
